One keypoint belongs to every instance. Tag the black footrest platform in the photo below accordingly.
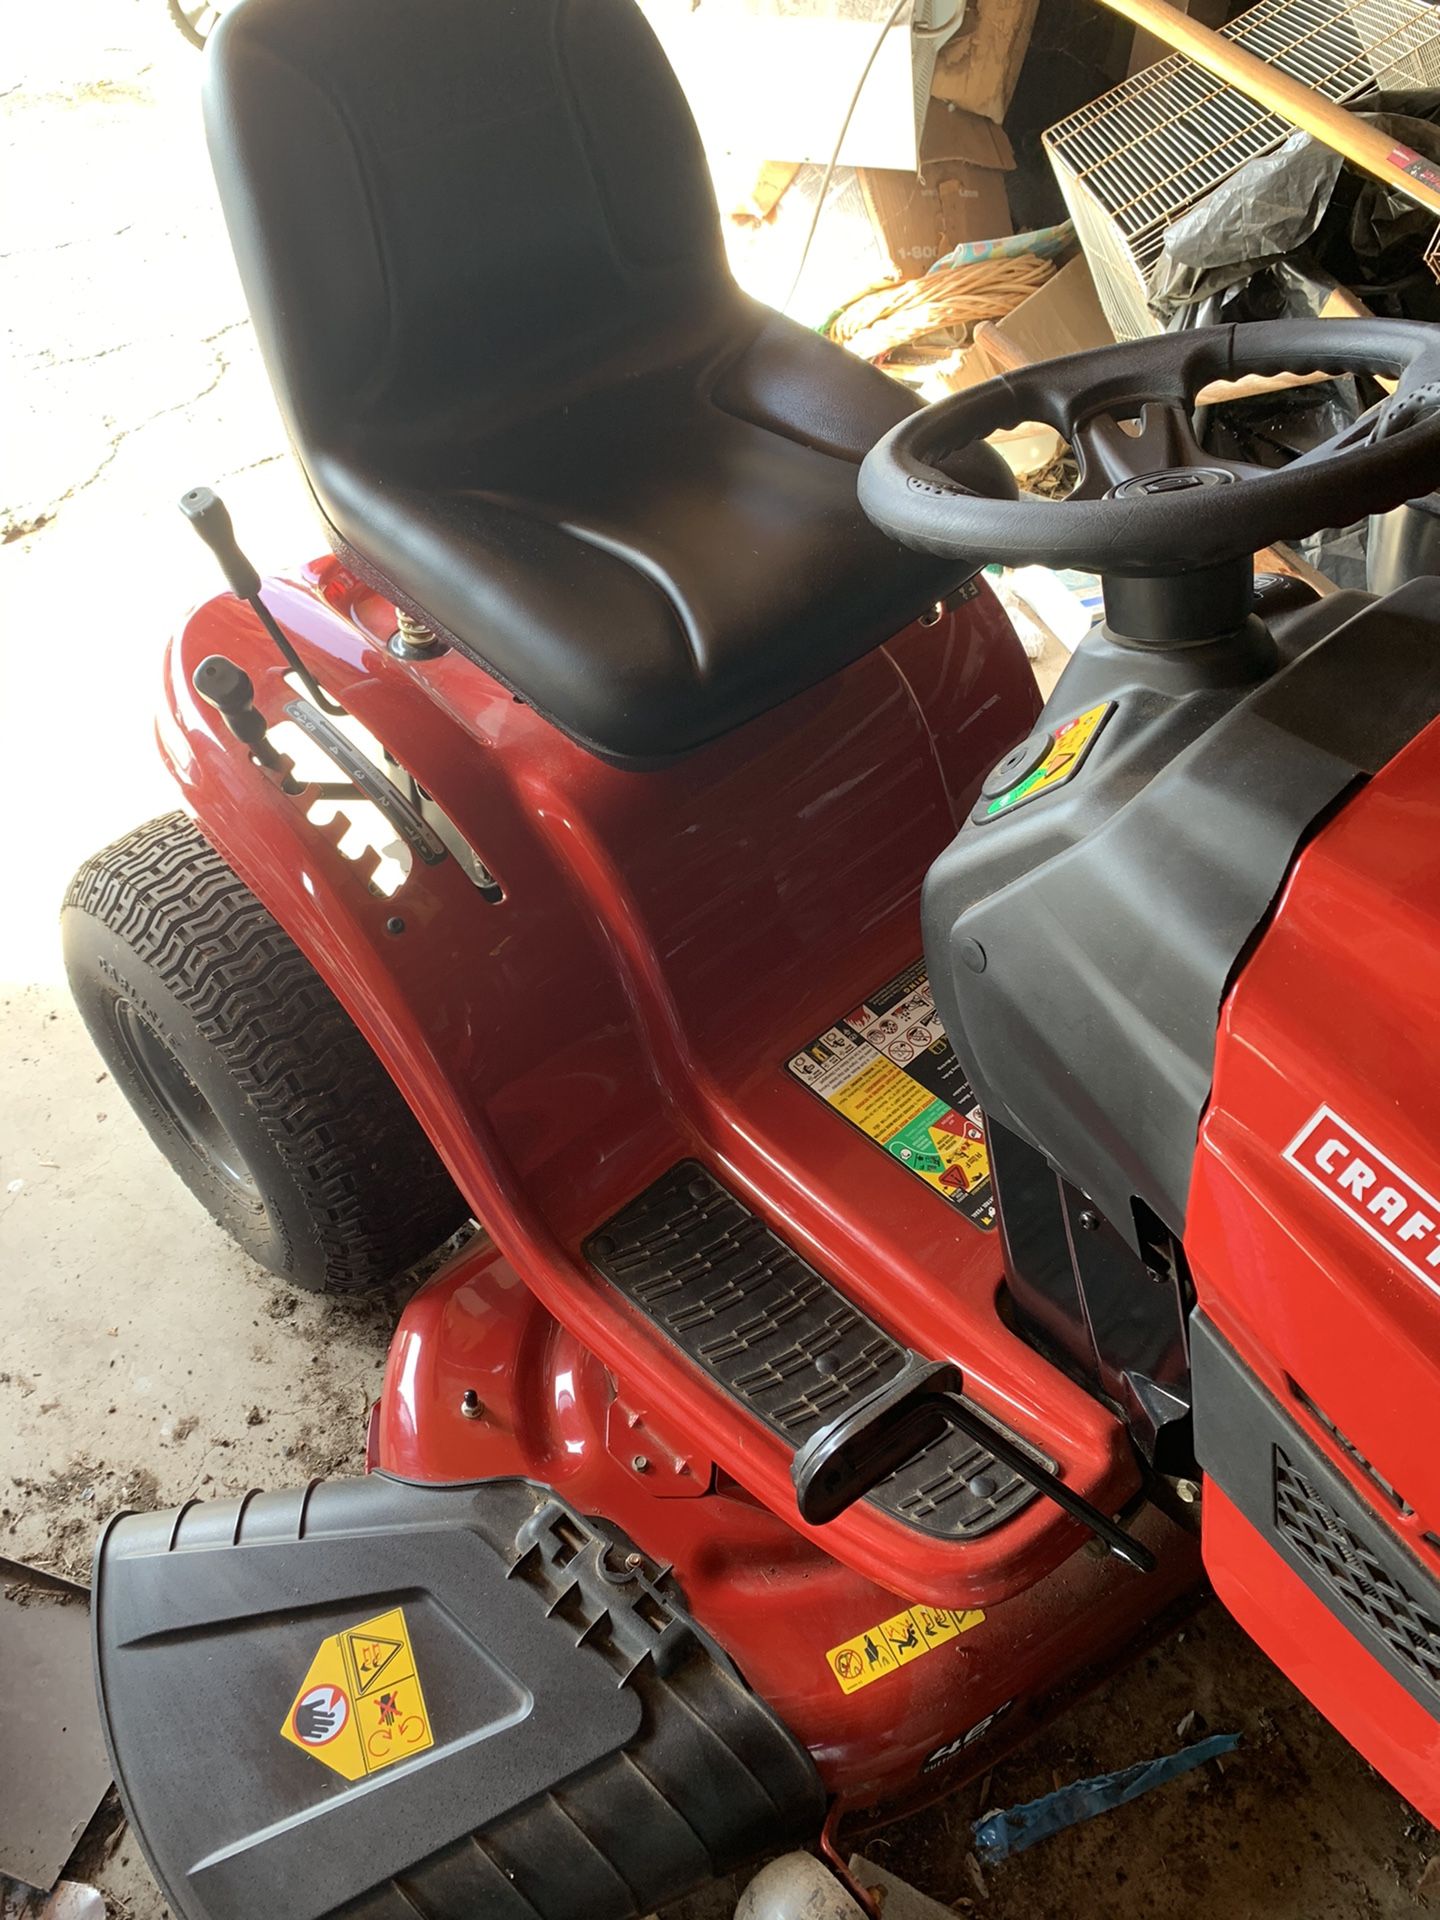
(774, 1333)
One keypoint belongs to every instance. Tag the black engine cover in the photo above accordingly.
(1080, 943)
(383, 1700)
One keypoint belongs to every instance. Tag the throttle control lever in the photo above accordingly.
(209, 516)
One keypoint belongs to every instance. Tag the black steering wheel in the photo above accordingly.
(1150, 501)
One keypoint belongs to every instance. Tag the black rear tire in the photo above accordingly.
(246, 1070)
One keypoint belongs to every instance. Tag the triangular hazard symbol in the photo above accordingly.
(370, 1655)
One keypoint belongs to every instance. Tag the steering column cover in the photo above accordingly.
(1080, 945)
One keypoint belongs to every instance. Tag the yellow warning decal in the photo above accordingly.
(895, 1642)
(360, 1707)
(962, 1152)
(888, 1068)
(880, 1099)
(372, 1655)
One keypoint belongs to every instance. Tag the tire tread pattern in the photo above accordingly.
(377, 1192)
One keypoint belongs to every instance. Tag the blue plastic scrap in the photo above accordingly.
(998, 1835)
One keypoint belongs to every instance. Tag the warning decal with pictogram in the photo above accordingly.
(370, 1655)
(360, 1707)
(889, 1069)
(894, 1643)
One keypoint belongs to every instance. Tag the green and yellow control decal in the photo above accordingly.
(894, 1643)
(360, 1708)
(887, 1068)
(1068, 747)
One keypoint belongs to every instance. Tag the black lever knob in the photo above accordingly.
(207, 514)
(230, 690)
(842, 1462)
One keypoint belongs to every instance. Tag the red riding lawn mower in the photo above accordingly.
(857, 1340)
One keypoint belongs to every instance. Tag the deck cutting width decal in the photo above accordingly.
(360, 1707)
(889, 1069)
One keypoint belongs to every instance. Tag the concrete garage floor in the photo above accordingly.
(141, 1358)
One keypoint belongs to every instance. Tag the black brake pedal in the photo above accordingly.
(844, 1460)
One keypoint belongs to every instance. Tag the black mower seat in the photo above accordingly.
(483, 257)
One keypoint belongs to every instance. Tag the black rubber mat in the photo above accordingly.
(774, 1333)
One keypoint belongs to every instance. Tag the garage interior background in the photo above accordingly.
(141, 1358)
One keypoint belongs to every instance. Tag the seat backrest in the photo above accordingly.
(420, 191)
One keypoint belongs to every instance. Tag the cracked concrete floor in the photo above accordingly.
(141, 1358)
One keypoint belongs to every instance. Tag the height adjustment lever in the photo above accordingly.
(848, 1458)
(230, 690)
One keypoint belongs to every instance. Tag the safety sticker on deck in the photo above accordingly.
(895, 1642)
(360, 1707)
(889, 1069)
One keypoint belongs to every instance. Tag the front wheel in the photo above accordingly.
(245, 1069)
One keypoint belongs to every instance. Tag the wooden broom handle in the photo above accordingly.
(1398, 166)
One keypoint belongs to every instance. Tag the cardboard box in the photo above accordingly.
(957, 193)
(979, 67)
(749, 193)
(1063, 316)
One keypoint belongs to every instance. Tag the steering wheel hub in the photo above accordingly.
(1172, 480)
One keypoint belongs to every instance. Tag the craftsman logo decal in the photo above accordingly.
(360, 1707)
(1366, 1184)
(1416, 165)
(895, 1642)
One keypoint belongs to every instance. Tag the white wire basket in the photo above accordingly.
(1130, 163)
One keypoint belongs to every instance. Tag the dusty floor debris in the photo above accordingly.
(138, 1344)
